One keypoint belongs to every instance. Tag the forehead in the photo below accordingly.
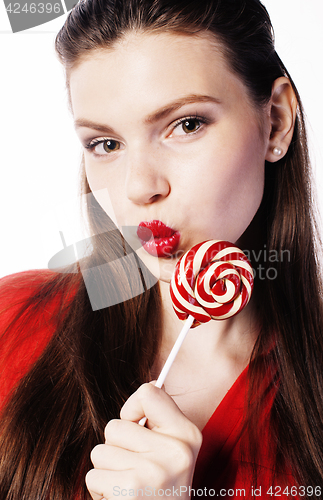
(148, 70)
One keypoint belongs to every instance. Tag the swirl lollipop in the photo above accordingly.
(213, 280)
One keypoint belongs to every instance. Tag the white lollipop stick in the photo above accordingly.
(171, 358)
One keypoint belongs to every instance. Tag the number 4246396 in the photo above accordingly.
(34, 8)
(294, 491)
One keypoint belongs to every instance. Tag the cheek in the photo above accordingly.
(231, 188)
(245, 185)
(245, 162)
(245, 174)
(237, 171)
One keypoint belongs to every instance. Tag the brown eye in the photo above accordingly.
(191, 125)
(111, 146)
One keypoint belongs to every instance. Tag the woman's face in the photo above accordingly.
(169, 135)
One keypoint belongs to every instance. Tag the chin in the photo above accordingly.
(161, 268)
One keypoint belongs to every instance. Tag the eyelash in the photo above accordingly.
(203, 121)
(92, 144)
(200, 119)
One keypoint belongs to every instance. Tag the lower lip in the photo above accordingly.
(162, 247)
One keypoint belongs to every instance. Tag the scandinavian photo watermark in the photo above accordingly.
(263, 262)
(260, 258)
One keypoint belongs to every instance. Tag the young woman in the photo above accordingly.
(192, 129)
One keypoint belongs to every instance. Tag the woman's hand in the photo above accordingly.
(161, 455)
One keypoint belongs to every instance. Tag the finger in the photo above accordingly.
(91, 481)
(143, 420)
(105, 456)
(97, 482)
(162, 412)
(128, 435)
(131, 437)
(104, 484)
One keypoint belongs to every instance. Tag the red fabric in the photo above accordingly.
(26, 340)
(219, 472)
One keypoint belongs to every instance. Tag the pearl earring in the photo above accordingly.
(277, 151)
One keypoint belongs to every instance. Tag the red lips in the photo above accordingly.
(157, 238)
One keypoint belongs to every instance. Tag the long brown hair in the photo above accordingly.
(96, 359)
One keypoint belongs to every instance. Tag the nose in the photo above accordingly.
(146, 179)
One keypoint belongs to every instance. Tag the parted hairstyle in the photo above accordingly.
(96, 359)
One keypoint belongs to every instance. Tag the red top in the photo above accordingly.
(220, 471)
(29, 335)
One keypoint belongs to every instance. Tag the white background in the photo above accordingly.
(40, 154)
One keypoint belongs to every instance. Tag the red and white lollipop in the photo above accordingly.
(213, 280)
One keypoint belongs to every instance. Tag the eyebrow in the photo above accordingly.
(167, 110)
(156, 116)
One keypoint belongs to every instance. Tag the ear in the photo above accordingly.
(283, 105)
